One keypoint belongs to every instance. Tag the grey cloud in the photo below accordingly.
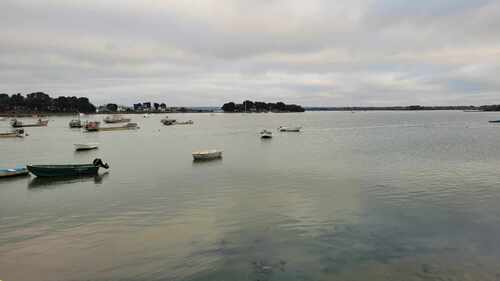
(205, 52)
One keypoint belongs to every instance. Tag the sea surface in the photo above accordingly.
(354, 196)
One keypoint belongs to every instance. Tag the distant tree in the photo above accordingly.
(261, 106)
(146, 105)
(183, 109)
(4, 102)
(248, 105)
(83, 105)
(280, 106)
(156, 106)
(17, 100)
(229, 107)
(112, 107)
(38, 101)
(163, 105)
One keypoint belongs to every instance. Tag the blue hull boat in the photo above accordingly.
(13, 172)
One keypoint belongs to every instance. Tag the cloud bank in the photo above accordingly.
(206, 52)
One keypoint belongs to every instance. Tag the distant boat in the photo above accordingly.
(70, 170)
(265, 134)
(18, 124)
(207, 154)
(86, 146)
(167, 122)
(494, 121)
(116, 119)
(289, 129)
(75, 123)
(12, 172)
(147, 115)
(18, 133)
(92, 126)
(189, 122)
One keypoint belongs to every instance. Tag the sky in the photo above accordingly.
(207, 52)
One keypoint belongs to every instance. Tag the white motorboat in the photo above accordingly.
(86, 146)
(207, 154)
(289, 129)
(116, 119)
(265, 134)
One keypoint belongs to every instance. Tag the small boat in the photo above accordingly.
(128, 126)
(18, 124)
(116, 119)
(207, 154)
(70, 170)
(86, 146)
(12, 172)
(494, 121)
(167, 122)
(75, 123)
(18, 133)
(92, 126)
(289, 129)
(189, 122)
(147, 115)
(265, 134)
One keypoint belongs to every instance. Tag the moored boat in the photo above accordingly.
(12, 172)
(69, 170)
(128, 126)
(18, 133)
(116, 119)
(207, 154)
(167, 122)
(86, 146)
(289, 129)
(189, 122)
(18, 124)
(92, 126)
(265, 134)
(494, 121)
(75, 123)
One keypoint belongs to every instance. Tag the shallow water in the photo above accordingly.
(364, 196)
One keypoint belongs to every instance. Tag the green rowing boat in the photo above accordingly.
(71, 170)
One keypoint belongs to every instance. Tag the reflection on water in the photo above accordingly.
(366, 196)
(40, 182)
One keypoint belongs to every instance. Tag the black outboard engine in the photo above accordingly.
(98, 163)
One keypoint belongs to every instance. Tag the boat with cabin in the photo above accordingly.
(209, 154)
(69, 170)
(13, 172)
(19, 124)
(75, 123)
(116, 118)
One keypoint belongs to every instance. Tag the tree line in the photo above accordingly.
(250, 106)
(41, 102)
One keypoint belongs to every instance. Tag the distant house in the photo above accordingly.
(146, 106)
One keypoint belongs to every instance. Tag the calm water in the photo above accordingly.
(364, 196)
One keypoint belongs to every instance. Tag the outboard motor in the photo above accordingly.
(98, 163)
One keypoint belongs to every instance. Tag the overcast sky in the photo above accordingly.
(207, 52)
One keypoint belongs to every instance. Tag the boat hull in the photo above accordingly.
(7, 173)
(63, 170)
(494, 121)
(209, 155)
(39, 124)
(80, 147)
